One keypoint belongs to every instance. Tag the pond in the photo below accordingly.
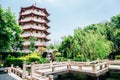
(75, 76)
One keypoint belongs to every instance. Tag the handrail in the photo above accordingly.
(96, 66)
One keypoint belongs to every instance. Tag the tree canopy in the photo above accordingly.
(94, 41)
(9, 31)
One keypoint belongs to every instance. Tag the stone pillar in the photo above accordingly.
(32, 70)
(94, 68)
(51, 64)
(24, 70)
(80, 67)
(10, 69)
(68, 64)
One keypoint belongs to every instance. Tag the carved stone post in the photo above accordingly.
(51, 64)
(24, 70)
(94, 68)
(80, 67)
(32, 70)
(68, 64)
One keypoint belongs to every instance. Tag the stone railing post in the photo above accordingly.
(68, 64)
(16, 70)
(51, 64)
(107, 64)
(10, 69)
(94, 68)
(80, 67)
(24, 70)
(32, 70)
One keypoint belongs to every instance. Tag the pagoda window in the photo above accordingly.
(37, 17)
(37, 10)
(36, 31)
(36, 24)
(36, 47)
(22, 17)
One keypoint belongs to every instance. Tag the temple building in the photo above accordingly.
(34, 23)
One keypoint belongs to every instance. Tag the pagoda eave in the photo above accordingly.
(34, 29)
(31, 21)
(34, 7)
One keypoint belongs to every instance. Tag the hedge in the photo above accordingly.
(14, 54)
(117, 57)
(14, 61)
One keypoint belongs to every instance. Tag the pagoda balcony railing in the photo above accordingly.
(37, 43)
(34, 19)
(34, 35)
(34, 27)
(26, 43)
(33, 11)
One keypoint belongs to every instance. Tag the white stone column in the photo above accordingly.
(24, 70)
(32, 70)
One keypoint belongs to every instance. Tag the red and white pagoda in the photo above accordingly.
(34, 24)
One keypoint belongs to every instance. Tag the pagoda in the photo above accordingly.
(33, 21)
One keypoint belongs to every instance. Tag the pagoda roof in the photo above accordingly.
(32, 21)
(33, 14)
(34, 7)
(34, 29)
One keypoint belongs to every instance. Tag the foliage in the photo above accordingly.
(34, 59)
(13, 54)
(14, 61)
(115, 23)
(9, 31)
(65, 48)
(79, 58)
(117, 57)
(53, 46)
(58, 59)
(44, 60)
(32, 43)
(58, 54)
(89, 42)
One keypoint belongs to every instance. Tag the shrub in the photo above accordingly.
(117, 57)
(13, 54)
(79, 58)
(60, 59)
(33, 59)
(0, 57)
(58, 54)
(14, 61)
(44, 60)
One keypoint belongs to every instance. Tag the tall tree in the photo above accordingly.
(115, 21)
(8, 29)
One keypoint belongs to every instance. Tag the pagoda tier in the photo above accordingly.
(33, 7)
(34, 15)
(38, 44)
(33, 22)
(43, 31)
(44, 38)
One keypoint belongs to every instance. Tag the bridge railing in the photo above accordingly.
(96, 66)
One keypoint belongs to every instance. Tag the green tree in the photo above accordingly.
(32, 43)
(8, 29)
(115, 23)
(90, 43)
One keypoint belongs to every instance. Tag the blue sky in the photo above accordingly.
(67, 15)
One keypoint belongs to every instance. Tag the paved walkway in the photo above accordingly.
(10, 76)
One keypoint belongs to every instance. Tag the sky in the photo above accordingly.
(67, 15)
